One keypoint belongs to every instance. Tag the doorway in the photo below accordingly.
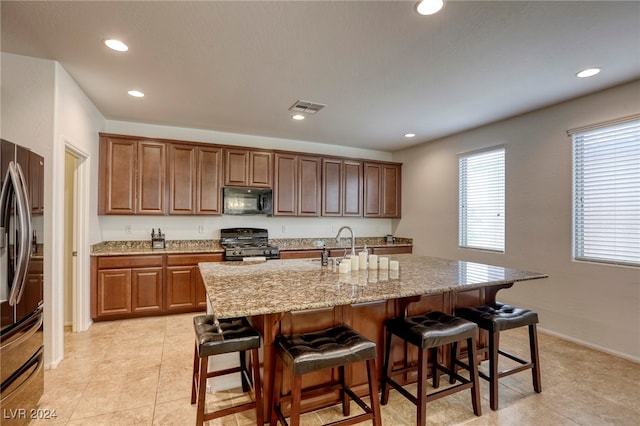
(75, 260)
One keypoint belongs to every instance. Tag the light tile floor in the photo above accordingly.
(138, 372)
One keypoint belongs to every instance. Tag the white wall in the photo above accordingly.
(595, 304)
(185, 228)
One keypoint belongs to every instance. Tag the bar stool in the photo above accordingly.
(429, 332)
(305, 353)
(219, 337)
(497, 317)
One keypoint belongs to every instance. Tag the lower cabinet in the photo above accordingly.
(134, 286)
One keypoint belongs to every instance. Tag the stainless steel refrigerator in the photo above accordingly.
(21, 291)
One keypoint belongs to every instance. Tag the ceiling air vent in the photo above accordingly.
(306, 107)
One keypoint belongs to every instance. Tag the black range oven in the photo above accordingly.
(241, 243)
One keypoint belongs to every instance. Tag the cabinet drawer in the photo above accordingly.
(192, 259)
(392, 250)
(111, 262)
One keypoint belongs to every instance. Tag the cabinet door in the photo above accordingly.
(309, 186)
(151, 177)
(146, 290)
(209, 176)
(114, 292)
(182, 179)
(352, 175)
(285, 186)
(181, 288)
(260, 169)
(331, 187)
(372, 180)
(117, 176)
(36, 183)
(236, 167)
(391, 190)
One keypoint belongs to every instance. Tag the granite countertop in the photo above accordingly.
(128, 248)
(258, 288)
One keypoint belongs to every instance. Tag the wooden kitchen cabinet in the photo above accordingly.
(341, 187)
(132, 176)
(185, 290)
(36, 183)
(194, 179)
(126, 286)
(297, 185)
(245, 167)
(382, 189)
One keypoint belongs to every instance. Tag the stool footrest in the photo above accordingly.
(230, 410)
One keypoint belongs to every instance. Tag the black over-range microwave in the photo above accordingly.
(239, 200)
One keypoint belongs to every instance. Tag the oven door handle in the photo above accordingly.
(37, 361)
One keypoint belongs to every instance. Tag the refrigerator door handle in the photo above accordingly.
(15, 177)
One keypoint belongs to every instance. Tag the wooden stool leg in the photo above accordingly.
(386, 370)
(202, 390)
(346, 404)
(493, 369)
(257, 386)
(435, 371)
(473, 373)
(276, 390)
(422, 391)
(244, 372)
(535, 358)
(373, 391)
(194, 378)
(455, 353)
(296, 394)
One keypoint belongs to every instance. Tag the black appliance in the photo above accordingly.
(247, 200)
(241, 243)
(21, 298)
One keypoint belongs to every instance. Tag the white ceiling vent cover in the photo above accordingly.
(306, 107)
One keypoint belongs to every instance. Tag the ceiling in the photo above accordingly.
(381, 69)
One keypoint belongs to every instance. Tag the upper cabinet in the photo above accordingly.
(195, 173)
(382, 189)
(296, 185)
(150, 177)
(246, 167)
(132, 176)
(341, 187)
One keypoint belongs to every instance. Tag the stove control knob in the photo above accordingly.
(267, 251)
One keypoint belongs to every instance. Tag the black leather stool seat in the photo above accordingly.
(498, 316)
(215, 337)
(227, 335)
(432, 329)
(335, 346)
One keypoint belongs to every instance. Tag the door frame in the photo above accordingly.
(81, 269)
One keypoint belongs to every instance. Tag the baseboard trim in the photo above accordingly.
(590, 345)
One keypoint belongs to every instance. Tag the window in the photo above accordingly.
(481, 200)
(606, 193)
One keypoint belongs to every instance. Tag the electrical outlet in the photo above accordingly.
(200, 229)
(127, 229)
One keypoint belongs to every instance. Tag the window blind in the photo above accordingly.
(606, 215)
(481, 200)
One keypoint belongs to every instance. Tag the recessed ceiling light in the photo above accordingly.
(116, 45)
(409, 135)
(429, 7)
(589, 72)
(298, 117)
(136, 93)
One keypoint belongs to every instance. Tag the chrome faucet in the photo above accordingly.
(353, 238)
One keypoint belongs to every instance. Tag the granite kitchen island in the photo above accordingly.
(292, 296)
